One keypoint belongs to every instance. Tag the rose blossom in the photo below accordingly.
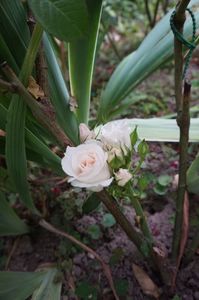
(122, 176)
(116, 134)
(87, 166)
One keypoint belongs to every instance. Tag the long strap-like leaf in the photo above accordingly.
(81, 61)
(59, 94)
(15, 129)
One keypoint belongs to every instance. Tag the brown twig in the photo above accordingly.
(183, 122)
(105, 267)
(43, 114)
(182, 105)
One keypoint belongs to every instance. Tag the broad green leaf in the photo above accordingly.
(164, 180)
(91, 203)
(14, 28)
(21, 285)
(15, 149)
(50, 288)
(36, 150)
(59, 94)
(159, 129)
(10, 223)
(81, 61)
(193, 176)
(65, 19)
(156, 49)
(15, 128)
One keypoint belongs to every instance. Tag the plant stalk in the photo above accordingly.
(182, 105)
(184, 122)
(128, 228)
(139, 212)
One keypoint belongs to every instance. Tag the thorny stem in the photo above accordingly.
(182, 105)
(105, 267)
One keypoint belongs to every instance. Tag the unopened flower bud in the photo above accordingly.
(122, 176)
(85, 133)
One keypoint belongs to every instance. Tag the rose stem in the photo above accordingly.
(128, 228)
(139, 212)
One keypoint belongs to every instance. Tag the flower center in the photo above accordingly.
(87, 162)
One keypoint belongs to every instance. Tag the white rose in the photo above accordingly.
(85, 133)
(87, 166)
(116, 134)
(122, 176)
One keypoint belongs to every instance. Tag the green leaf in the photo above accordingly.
(94, 231)
(193, 176)
(15, 129)
(164, 180)
(10, 223)
(14, 27)
(91, 203)
(6, 55)
(143, 149)
(18, 285)
(21, 285)
(121, 286)
(81, 61)
(155, 50)
(65, 19)
(15, 149)
(50, 288)
(134, 137)
(85, 291)
(59, 94)
(36, 150)
(108, 220)
(159, 189)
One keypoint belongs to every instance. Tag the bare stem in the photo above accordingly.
(105, 267)
(184, 122)
(128, 228)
